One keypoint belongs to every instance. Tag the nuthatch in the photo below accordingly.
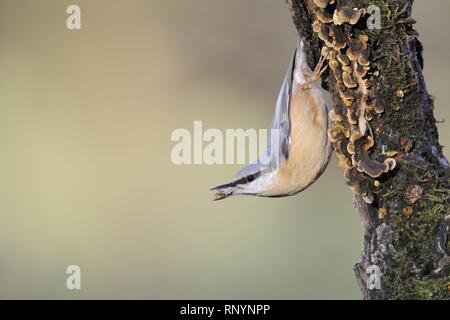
(300, 152)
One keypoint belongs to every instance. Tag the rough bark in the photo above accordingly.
(405, 210)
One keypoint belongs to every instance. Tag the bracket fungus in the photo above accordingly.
(323, 3)
(346, 52)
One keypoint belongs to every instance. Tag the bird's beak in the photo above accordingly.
(223, 191)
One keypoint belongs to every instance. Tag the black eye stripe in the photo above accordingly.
(248, 179)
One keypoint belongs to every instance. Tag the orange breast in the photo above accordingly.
(310, 150)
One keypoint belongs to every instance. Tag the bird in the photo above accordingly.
(298, 147)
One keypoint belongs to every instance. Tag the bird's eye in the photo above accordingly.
(250, 178)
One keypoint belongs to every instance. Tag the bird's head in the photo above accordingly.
(253, 180)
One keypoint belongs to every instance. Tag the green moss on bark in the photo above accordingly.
(408, 126)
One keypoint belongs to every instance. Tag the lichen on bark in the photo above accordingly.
(407, 222)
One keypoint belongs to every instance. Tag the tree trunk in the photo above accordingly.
(384, 134)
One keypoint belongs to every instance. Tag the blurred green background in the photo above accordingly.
(85, 170)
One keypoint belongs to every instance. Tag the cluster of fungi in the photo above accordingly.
(345, 48)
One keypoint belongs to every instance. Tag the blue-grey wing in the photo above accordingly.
(281, 123)
(278, 138)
